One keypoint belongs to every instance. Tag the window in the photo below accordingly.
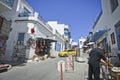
(114, 4)
(21, 36)
(80, 42)
(66, 34)
(57, 47)
(26, 10)
(113, 38)
(119, 32)
(66, 31)
(69, 35)
(25, 13)
(1, 22)
(10, 2)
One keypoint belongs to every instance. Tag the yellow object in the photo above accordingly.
(67, 52)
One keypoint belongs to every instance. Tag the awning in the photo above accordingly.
(47, 39)
(97, 35)
(51, 40)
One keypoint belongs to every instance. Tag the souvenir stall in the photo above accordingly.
(35, 50)
(42, 48)
(2, 48)
(22, 51)
(19, 52)
(32, 49)
(3, 66)
(5, 28)
(24, 47)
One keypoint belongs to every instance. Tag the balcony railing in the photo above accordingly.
(56, 32)
(7, 2)
(38, 18)
(25, 14)
(48, 26)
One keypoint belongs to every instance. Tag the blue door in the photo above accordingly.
(105, 44)
(117, 30)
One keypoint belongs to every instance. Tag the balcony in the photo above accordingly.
(33, 16)
(6, 5)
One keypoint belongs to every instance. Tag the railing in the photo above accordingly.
(8, 2)
(25, 14)
(48, 26)
(57, 33)
(38, 17)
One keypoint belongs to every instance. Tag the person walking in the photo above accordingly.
(95, 56)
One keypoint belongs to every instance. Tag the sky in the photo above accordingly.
(78, 14)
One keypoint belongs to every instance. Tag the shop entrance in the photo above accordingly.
(43, 47)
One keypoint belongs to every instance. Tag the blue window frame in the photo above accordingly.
(25, 13)
(21, 36)
(10, 2)
(105, 44)
(57, 47)
(114, 4)
(117, 31)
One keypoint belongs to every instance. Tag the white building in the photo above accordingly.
(26, 26)
(7, 16)
(74, 44)
(106, 30)
(81, 42)
(63, 30)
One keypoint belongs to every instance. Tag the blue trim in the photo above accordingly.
(117, 34)
(97, 35)
(57, 47)
(105, 44)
